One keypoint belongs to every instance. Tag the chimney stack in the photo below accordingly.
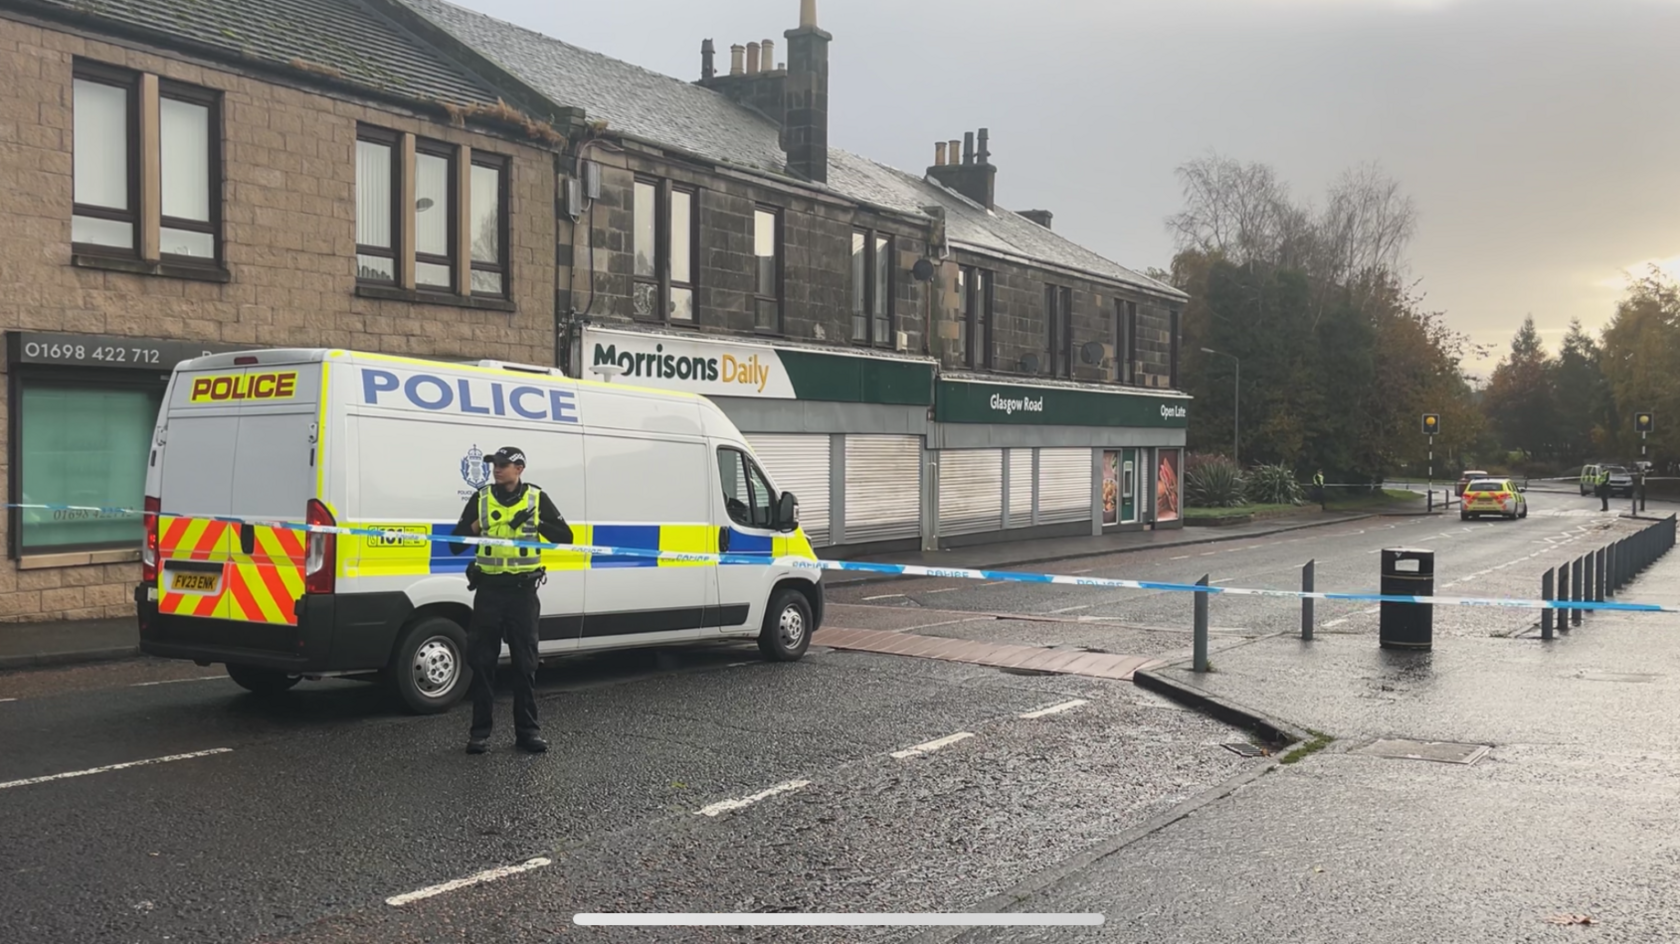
(735, 53)
(805, 122)
(939, 154)
(1041, 217)
(974, 179)
(708, 53)
(752, 58)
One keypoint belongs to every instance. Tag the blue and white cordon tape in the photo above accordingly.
(900, 570)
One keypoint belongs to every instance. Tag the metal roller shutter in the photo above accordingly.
(799, 464)
(883, 488)
(1020, 488)
(970, 491)
(1064, 485)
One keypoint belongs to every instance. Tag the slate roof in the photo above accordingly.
(664, 110)
(368, 49)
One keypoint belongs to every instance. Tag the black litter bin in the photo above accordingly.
(1411, 626)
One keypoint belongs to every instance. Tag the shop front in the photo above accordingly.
(1048, 460)
(80, 414)
(844, 431)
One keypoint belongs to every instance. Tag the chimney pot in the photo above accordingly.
(968, 147)
(735, 53)
(752, 58)
(954, 149)
(985, 153)
(807, 14)
(707, 54)
(767, 58)
(939, 154)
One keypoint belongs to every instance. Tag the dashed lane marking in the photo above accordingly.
(943, 590)
(7, 699)
(100, 770)
(1070, 609)
(883, 596)
(1055, 709)
(1334, 622)
(1182, 557)
(489, 875)
(725, 806)
(196, 678)
(932, 746)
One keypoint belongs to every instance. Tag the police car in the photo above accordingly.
(1501, 497)
(398, 445)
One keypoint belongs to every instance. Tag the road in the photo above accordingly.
(684, 780)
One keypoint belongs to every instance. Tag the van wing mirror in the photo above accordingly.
(787, 512)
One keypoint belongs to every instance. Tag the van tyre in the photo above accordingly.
(787, 627)
(262, 681)
(429, 671)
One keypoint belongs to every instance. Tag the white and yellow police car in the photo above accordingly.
(358, 440)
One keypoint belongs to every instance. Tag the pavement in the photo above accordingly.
(1497, 788)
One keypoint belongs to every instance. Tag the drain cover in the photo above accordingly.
(1245, 749)
(1444, 752)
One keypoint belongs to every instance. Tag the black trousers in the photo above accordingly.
(501, 614)
(1604, 497)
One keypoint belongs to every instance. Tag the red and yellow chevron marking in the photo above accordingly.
(189, 539)
(263, 585)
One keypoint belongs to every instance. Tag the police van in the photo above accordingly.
(357, 440)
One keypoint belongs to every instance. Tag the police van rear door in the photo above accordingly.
(240, 441)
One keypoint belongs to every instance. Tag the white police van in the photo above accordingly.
(360, 440)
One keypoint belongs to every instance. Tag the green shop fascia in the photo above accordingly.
(1067, 458)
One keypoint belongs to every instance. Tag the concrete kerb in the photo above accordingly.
(1269, 729)
(73, 657)
(831, 580)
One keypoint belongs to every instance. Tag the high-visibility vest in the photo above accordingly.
(493, 518)
(1603, 477)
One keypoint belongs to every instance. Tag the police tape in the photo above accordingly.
(898, 570)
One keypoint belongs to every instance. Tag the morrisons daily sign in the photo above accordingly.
(705, 367)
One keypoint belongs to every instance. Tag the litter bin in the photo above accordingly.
(1407, 572)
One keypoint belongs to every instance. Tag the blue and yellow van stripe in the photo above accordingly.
(428, 552)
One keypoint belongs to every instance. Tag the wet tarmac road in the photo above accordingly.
(691, 780)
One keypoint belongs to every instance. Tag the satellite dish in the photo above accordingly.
(922, 270)
(423, 204)
(1029, 363)
(1091, 352)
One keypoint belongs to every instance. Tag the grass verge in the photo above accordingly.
(1319, 742)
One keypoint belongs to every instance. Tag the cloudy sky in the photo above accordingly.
(1540, 139)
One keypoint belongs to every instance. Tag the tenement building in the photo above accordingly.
(919, 365)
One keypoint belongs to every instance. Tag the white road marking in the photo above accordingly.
(7, 699)
(1335, 622)
(1085, 571)
(943, 590)
(101, 770)
(1182, 557)
(884, 596)
(198, 678)
(1070, 609)
(1374, 609)
(727, 805)
(1055, 709)
(932, 746)
(489, 875)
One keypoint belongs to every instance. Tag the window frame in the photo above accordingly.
(748, 468)
(128, 80)
(1058, 307)
(1125, 341)
(871, 289)
(392, 140)
(779, 254)
(211, 100)
(1173, 320)
(978, 312)
(692, 286)
(662, 279)
(451, 155)
(502, 165)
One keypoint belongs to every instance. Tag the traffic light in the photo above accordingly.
(1432, 424)
(1642, 422)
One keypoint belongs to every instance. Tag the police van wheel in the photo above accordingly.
(430, 669)
(787, 627)
(261, 681)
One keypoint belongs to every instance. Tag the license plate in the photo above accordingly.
(194, 583)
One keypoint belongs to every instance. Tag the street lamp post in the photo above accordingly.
(1236, 403)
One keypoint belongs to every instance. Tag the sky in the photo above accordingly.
(1538, 139)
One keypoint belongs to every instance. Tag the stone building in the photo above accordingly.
(180, 177)
(921, 366)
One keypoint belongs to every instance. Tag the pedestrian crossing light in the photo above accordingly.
(1431, 424)
(1642, 422)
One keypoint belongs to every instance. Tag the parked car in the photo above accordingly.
(1621, 480)
(1465, 479)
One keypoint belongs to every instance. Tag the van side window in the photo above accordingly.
(745, 492)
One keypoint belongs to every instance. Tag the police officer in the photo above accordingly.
(1318, 487)
(505, 581)
(1603, 483)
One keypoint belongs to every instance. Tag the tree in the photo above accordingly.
(1583, 397)
(1521, 401)
(1640, 361)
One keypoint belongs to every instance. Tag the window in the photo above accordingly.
(665, 262)
(488, 230)
(83, 444)
(1058, 314)
(974, 330)
(746, 494)
(167, 210)
(872, 288)
(1125, 341)
(378, 181)
(1172, 368)
(444, 232)
(434, 217)
(767, 256)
